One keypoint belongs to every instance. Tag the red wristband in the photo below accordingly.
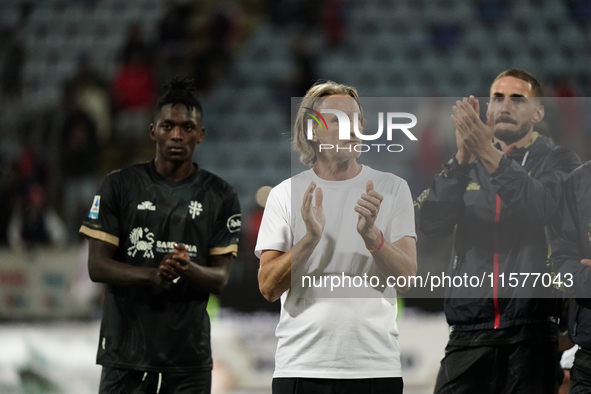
(381, 244)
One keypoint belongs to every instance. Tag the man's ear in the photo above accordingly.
(487, 110)
(152, 132)
(314, 133)
(201, 136)
(539, 114)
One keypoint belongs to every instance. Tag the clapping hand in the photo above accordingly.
(368, 207)
(313, 214)
(175, 265)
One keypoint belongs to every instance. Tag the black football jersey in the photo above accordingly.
(143, 214)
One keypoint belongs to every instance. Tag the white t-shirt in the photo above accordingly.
(568, 357)
(323, 335)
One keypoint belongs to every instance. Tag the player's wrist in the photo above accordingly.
(189, 267)
(464, 158)
(491, 158)
(374, 240)
(311, 238)
(157, 278)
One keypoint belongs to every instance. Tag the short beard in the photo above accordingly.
(509, 137)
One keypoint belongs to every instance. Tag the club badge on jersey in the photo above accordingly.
(195, 209)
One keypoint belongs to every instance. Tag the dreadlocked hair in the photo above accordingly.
(179, 90)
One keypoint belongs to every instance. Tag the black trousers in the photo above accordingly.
(580, 374)
(527, 367)
(128, 381)
(337, 386)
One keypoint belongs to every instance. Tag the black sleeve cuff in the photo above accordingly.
(454, 166)
(503, 165)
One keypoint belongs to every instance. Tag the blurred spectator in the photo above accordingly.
(305, 65)
(12, 113)
(301, 77)
(568, 109)
(334, 21)
(223, 31)
(173, 36)
(252, 227)
(135, 41)
(34, 224)
(134, 86)
(134, 91)
(12, 72)
(31, 164)
(254, 219)
(10, 182)
(435, 141)
(86, 294)
(80, 157)
(430, 152)
(564, 88)
(89, 90)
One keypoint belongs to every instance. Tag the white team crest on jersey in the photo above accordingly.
(195, 209)
(140, 243)
(146, 206)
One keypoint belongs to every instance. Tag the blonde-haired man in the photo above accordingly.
(353, 221)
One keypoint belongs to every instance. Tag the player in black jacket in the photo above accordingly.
(500, 196)
(163, 235)
(571, 251)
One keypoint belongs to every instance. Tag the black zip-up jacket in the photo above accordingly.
(501, 220)
(573, 244)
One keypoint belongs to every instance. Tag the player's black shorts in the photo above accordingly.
(525, 367)
(128, 381)
(337, 386)
(580, 373)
